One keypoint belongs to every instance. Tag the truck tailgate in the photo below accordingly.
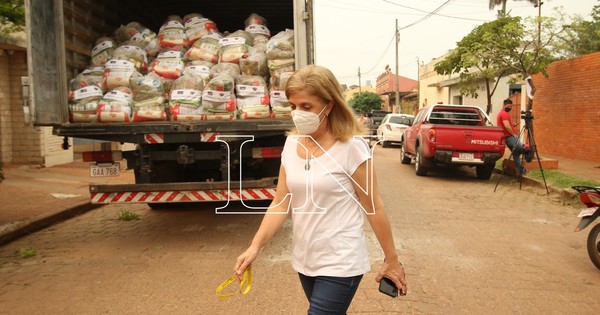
(469, 139)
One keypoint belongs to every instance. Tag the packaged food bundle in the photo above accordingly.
(168, 64)
(252, 96)
(135, 32)
(134, 54)
(117, 73)
(90, 76)
(199, 68)
(148, 99)
(115, 105)
(279, 79)
(102, 50)
(280, 52)
(280, 107)
(204, 49)
(257, 26)
(197, 26)
(231, 69)
(234, 46)
(254, 63)
(172, 33)
(218, 98)
(83, 103)
(185, 97)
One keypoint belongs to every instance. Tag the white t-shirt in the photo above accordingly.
(328, 237)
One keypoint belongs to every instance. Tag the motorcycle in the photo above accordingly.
(590, 197)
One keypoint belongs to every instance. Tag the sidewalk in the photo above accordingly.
(33, 197)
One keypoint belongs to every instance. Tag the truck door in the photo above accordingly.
(46, 62)
(304, 37)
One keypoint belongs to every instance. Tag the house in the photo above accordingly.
(386, 87)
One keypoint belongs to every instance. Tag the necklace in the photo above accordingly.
(307, 166)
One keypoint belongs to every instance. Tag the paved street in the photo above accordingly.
(466, 249)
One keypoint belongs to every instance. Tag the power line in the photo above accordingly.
(434, 12)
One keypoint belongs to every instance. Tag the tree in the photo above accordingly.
(502, 12)
(364, 102)
(12, 16)
(582, 37)
(504, 47)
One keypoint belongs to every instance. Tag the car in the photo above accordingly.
(377, 116)
(392, 127)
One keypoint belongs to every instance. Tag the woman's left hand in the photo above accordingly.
(394, 271)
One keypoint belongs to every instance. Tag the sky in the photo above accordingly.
(353, 34)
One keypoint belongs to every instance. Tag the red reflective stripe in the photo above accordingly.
(252, 193)
(267, 193)
(158, 196)
(198, 195)
(131, 196)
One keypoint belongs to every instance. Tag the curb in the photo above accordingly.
(562, 192)
(12, 231)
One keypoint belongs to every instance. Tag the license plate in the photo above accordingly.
(465, 156)
(105, 169)
(586, 212)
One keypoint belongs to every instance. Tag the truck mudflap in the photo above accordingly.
(263, 189)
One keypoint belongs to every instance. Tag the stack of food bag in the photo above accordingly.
(149, 99)
(252, 96)
(84, 93)
(218, 98)
(280, 54)
(172, 33)
(115, 106)
(196, 26)
(185, 97)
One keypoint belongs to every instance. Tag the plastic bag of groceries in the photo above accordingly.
(280, 51)
(132, 53)
(280, 106)
(118, 73)
(199, 68)
(252, 96)
(115, 105)
(218, 98)
(90, 76)
(257, 26)
(102, 50)
(83, 103)
(254, 63)
(149, 98)
(234, 46)
(168, 64)
(142, 36)
(205, 49)
(231, 69)
(185, 97)
(196, 26)
(172, 33)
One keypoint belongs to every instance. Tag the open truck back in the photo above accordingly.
(173, 161)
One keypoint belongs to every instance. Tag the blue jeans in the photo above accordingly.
(516, 147)
(329, 295)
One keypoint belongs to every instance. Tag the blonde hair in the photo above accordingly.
(321, 82)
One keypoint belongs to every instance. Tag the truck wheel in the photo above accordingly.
(484, 171)
(404, 158)
(420, 170)
(385, 144)
(593, 245)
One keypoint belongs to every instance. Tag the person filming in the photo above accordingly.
(512, 137)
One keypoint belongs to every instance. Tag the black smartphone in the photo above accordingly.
(387, 286)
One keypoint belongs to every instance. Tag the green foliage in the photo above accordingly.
(364, 102)
(126, 215)
(582, 37)
(12, 16)
(561, 180)
(25, 253)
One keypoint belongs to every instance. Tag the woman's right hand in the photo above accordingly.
(244, 261)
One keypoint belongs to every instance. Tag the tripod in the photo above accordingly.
(528, 117)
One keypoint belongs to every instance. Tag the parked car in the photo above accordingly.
(377, 116)
(392, 127)
(452, 135)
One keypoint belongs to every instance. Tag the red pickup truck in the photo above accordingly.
(452, 134)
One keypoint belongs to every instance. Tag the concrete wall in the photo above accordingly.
(21, 143)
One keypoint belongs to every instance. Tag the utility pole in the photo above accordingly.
(418, 83)
(359, 84)
(397, 79)
(539, 22)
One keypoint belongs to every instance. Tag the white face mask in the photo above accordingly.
(306, 122)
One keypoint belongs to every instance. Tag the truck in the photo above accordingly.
(444, 134)
(173, 161)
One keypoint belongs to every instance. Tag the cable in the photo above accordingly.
(434, 12)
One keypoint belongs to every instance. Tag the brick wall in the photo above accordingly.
(5, 113)
(566, 109)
